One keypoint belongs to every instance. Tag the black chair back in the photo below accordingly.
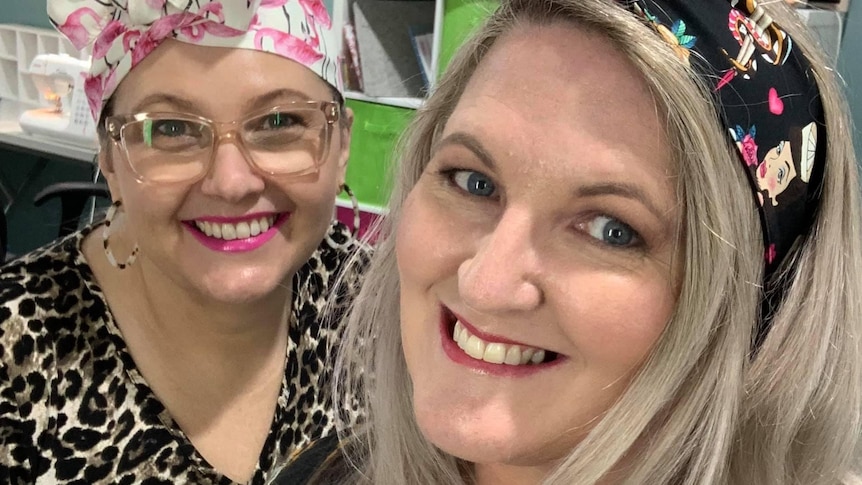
(73, 196)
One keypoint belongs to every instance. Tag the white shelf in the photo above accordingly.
(7, 44)
(48, 44)
(19, 45)
(28, 47)
(411, 103)
(9, 78)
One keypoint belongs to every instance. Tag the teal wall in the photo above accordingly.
(25, 12)
(850, 65)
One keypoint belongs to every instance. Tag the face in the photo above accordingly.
(170, 221)
(538, 252)
(776, 171)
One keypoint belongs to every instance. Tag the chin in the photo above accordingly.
(466, 436)
(489, 440)
(508, 450)
(243, 287)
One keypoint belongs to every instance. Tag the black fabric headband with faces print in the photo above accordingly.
(768, 100)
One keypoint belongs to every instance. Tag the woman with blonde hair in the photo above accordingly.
(624, 247)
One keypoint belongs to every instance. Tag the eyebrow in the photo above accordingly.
(620, 189)
(469, 142)
(628, 191)
(266, 100)
(184, 104)
(163, 98)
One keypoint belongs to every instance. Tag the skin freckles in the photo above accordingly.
(544, 220)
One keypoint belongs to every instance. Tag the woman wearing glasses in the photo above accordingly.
(646, 267)
(181, 341)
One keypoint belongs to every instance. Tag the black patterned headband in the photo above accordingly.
(766, 97)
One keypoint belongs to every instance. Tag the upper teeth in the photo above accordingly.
(495, 352)
(240, 230)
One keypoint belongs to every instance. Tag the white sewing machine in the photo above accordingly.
(66, 113)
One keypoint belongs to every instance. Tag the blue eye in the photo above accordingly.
(611, 231)
(475, 183)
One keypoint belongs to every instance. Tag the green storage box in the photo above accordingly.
(460, 18)
(376, 130)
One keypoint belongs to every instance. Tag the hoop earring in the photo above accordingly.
(355, 231)
(106, 233)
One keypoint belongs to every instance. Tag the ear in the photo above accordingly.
(106, 165)
(346, 128)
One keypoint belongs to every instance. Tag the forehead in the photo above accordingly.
(553, 91)
(216, 79)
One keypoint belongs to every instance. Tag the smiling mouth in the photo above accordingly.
(241, 230)
(495, 352)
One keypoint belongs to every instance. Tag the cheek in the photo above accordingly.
(147, 204)
(429, 243)
(615, 322)
(320, 192)
(427, 259)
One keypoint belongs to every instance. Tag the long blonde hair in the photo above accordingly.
(703, 409)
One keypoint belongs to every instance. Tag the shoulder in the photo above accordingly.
(334, 269)
(343, 251)
(47, 280)
(43, 296)
(52, 264)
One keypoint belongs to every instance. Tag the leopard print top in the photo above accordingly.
(75, 409)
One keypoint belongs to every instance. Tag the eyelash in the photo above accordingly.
(449, 174)
(637, 242)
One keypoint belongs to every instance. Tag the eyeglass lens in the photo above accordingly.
(168, 148)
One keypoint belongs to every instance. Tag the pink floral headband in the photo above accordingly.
(124, 32)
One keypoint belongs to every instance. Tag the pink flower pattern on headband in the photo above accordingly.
(122, 34)
(746, 144)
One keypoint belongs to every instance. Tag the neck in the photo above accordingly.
(228, 331)
(498, 474)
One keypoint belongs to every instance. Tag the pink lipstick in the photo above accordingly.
(239, 245)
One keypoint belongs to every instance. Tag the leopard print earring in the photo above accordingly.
(106, 233)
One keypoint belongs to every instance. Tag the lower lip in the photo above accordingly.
(451, 349)
(238, 245)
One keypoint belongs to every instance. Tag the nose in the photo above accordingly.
(504, 273)
(231, 176)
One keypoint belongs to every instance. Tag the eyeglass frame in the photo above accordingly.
(115, 124)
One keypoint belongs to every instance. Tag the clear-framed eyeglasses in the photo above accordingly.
(290, 139)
